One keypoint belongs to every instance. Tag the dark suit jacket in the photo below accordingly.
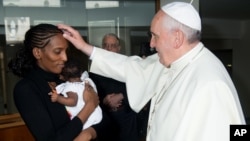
(107, 86)
(125, 119)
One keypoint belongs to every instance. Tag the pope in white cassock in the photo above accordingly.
(192, 96)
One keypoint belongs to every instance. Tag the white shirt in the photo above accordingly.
(193, 100)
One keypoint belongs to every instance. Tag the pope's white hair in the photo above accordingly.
(171, 24)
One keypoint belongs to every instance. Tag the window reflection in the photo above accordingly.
(32, 3)
(101, 4)
(15, 28)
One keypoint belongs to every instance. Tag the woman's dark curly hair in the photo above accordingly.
(36, 37)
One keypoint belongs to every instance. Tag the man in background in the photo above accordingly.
(113, 98)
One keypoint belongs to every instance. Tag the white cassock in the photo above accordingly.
(193, 100)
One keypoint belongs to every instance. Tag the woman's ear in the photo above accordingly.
(36, 53)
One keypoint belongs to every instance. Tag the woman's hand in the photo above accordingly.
(75, 38)
(89, 95)
(86, 135)
(91, 102)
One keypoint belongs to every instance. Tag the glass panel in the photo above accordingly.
(129, 19)
(32, 3)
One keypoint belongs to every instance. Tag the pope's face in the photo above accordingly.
(162, 39)
(53, 56)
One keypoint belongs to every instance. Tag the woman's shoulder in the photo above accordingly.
(23, 84)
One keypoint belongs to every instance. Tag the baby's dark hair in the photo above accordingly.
(72, 69)
(36, 37)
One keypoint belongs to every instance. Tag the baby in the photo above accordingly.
(70, 93)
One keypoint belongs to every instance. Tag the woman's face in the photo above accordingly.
(53, 56)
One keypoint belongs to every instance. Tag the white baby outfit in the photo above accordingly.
(78, 87)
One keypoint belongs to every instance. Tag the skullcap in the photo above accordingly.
(184, 13)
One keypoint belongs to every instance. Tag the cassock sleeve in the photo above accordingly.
(140, 75)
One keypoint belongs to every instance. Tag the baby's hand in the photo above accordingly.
(53, 96)
(52, 85)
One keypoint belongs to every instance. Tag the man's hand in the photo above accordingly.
(75, 38)
(113, 100)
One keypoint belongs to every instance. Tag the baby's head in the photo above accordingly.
(72, 69)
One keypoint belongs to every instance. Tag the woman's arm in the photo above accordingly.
(86, 135)
(46, 120)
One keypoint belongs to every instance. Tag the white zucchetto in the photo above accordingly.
(184, 13)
